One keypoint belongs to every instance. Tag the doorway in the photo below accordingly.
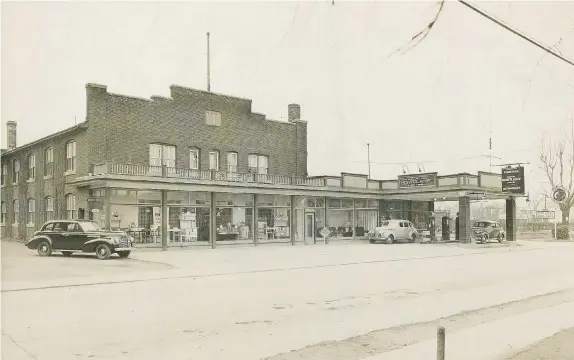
(309, 228)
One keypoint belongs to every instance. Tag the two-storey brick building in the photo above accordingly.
(201, 168)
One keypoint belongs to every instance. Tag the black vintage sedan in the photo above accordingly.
(69, 236)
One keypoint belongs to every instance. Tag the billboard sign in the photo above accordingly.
(417, 180)
(513, 180)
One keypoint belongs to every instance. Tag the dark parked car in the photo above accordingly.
(69, 236)
(483, 231)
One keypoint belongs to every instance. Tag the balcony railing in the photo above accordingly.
(192, 174)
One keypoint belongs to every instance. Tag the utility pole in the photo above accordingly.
(490, 138)
(208, 66)
(369, 158)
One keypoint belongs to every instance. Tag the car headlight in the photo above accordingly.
(116, 240)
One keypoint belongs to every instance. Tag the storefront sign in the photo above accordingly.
(513, 180)
(96, 199)
(417, 180)
(545, 214)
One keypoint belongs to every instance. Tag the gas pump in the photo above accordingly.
(431, 226)
(445, 228)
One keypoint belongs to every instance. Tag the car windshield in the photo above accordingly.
(89, 226)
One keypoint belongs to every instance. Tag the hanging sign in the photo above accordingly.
(513, 179)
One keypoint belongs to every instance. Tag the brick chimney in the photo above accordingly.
(294, 112)
(11, 134)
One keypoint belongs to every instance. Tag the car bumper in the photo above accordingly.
(124, 249)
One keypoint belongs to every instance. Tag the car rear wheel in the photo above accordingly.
(66, 253)
(413, 238)
(390, 239)
(485, 239)
(500, 238)
(371, 241)
(103, 252)
(44, 248)
(124, 254)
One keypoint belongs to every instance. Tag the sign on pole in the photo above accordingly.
(545, 214)
(513, 179)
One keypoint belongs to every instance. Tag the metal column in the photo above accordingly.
(164, 220)
(212, 221)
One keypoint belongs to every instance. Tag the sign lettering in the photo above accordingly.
(513, 180)
(417, 180)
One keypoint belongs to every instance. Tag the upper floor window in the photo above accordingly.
(16, 209)
(214, 160)
(31, 211)
(232, 162)
(194, 159)
(258, 164)
(4, 173)
(31, 166)
(48, 208)
(71, 156)
(213, 118)
(3, 214)
(162, 155)
(49, 162)
(16, 171)
(70, 206)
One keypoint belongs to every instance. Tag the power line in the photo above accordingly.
(516, 32)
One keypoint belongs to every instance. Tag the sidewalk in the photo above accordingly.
(495, 340)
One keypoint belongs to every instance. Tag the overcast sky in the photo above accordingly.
(432, 103)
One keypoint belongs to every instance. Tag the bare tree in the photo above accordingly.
(557, 162)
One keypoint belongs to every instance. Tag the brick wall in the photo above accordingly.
(464, 219)
(121, 129)
(41, 187)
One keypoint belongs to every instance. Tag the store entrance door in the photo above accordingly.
(309, 228)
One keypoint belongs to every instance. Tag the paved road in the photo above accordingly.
(276, 302)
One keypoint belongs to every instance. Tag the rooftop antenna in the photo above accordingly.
(75, 122)
(208, 66)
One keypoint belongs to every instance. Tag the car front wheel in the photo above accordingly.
(500, 238)
(124, 254)
(44, 248)
(413, 238)
(103, 252)
(390, 239)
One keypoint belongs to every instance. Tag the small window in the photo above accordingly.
(162, 155)
(4, 173)
(16, 209)
(31, 211)
(214, 160)
(49, 162)
(71, 156)
(73, 227)
(48, 208)
(3, 218)
(31, 166)
(60, 226)
(232, 162)
(258, 164)
(213, 118)
(16, 171)
(70, 206)
(194, 159)
(48, 227)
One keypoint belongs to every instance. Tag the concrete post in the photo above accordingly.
(440, 343)
(108, 209)
(354, 221)
(212, 221)
(256, 220)
(511, 219)
(464, 219)
(164, 220)
(291, 218)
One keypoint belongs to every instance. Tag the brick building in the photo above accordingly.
(200, 168)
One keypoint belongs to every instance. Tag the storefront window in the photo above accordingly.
(189, 214)
(273, 217)
(366, 216)
(340, 217)
(234, 217)
(135, 211)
